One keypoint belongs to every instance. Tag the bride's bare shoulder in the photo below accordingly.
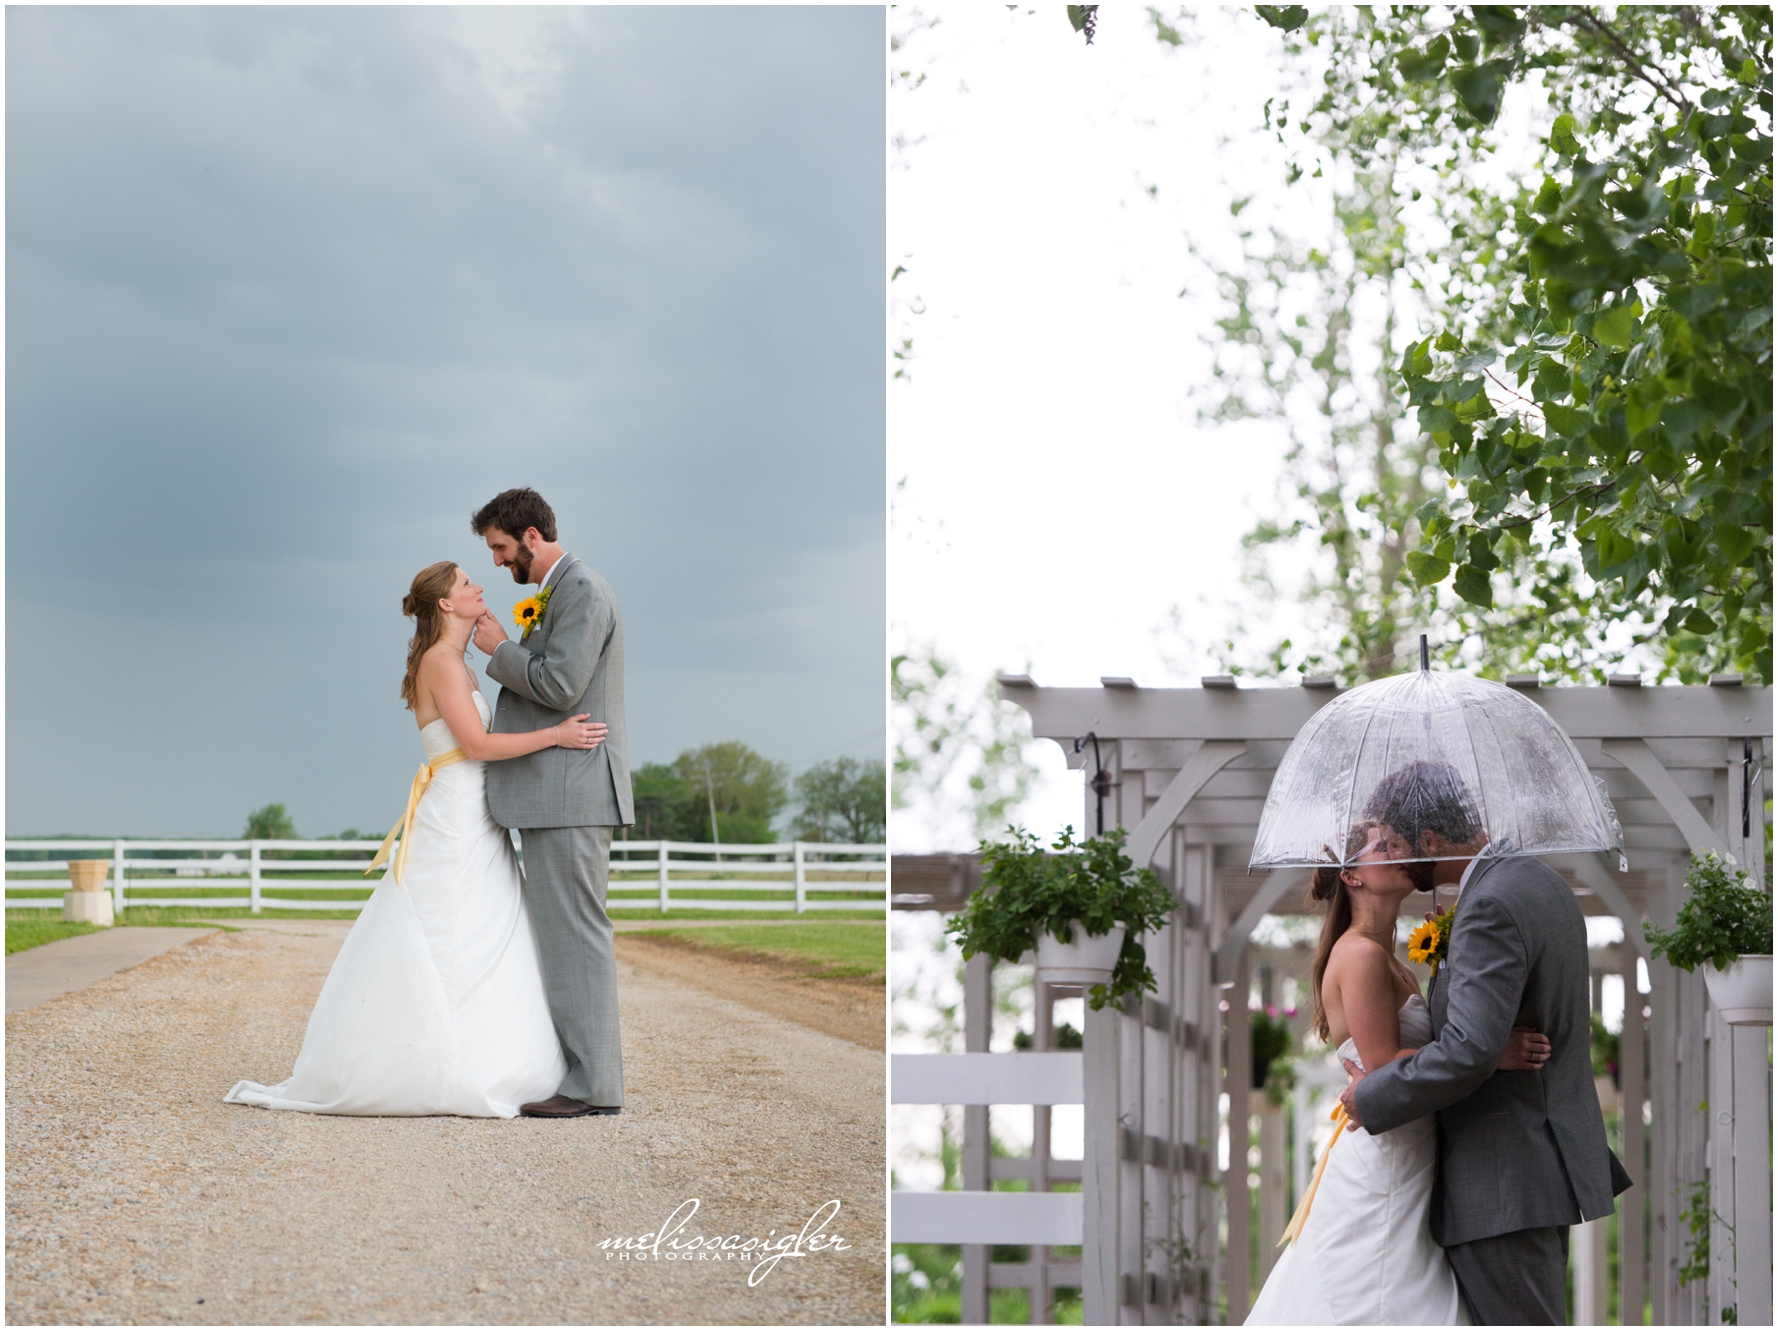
(1354, 954)
(441, 660)
(1354, 944)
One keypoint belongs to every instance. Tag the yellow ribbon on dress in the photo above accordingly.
(1297, 1221)
(422, 779)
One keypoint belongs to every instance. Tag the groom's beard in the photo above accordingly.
(521, 565)
(1419, 873)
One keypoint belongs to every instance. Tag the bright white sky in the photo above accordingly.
(1059, 497)
(1054, 496)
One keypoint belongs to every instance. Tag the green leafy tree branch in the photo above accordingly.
(1311, 332)
(1610, 397)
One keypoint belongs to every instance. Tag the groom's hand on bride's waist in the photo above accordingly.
(1347, 1098)
(488, 634)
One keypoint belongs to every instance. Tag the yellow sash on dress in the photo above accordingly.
(422, 779)
(1297, 1221)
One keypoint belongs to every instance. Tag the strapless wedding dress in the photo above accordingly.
(435, 1004)
(1365, 1256)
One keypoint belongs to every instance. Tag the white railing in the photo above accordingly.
(797, 876)
(1024, 1218)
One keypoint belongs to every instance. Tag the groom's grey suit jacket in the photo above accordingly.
(571, 662)
(1517, 1150)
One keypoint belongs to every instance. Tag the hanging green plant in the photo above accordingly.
(1724, 917)
(1028, 891)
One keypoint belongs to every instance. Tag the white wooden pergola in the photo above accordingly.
(1164, 1238)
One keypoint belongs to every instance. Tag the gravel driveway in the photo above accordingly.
(135, 1195)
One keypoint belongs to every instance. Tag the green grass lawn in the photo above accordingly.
(229, 900)
(830, 949)
(33, 928)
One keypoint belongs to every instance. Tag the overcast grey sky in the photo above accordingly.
(291, 292)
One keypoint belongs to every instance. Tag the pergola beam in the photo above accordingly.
(1271, 892)
(1652, 773)
(1209, 759)
(1594, 871)
(1277, 713)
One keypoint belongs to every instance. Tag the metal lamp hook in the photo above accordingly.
(1101, 782)
(1750, 776)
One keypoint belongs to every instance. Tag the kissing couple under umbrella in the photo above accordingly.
(1474, 1134)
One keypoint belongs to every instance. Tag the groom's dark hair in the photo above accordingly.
(513, 511)
(1426, 797)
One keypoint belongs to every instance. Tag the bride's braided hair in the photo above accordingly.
(1327, 885)
(431, 585)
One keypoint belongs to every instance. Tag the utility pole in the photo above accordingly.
(710, 789)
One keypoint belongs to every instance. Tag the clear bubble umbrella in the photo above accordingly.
(1429, 751)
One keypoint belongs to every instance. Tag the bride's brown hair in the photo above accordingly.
(431, 585)
(1327, 885)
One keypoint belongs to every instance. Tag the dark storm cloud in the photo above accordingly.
(291, 292)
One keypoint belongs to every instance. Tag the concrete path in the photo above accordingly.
(135, 1195)
(39, 974)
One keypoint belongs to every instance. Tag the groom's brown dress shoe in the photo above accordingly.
(563, 1106)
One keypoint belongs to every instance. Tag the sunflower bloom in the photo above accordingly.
(1426, 945)
(1423, 944)
(525, 613)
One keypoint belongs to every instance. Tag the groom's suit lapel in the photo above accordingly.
(538, 636)
(1435, 989)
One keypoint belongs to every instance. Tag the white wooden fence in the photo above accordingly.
(796, 876)
(976, 1216)
(980, 1216)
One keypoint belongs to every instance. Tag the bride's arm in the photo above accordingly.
(1361, 972)
(442, 675)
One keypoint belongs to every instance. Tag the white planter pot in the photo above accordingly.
(1742, 993)
(1086, 960)
(87, 907)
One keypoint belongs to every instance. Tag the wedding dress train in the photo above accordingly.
(435, 1004)
(1365, 1256)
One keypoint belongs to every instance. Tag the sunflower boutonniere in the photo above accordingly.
(529, 611)
(1427, 944)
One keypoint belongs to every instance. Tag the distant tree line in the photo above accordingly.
(723, 792)
(729, 793)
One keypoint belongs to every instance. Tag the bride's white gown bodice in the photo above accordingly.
(435, 1004)
(1365, 1256)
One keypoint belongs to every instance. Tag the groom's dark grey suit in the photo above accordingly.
(566, 804)
(1522, 1155)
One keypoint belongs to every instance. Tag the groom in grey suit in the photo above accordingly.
(566, 803)
(1522, 1155)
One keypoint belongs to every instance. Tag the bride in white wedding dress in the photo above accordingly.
(435, 1004)
(1364, 1255)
